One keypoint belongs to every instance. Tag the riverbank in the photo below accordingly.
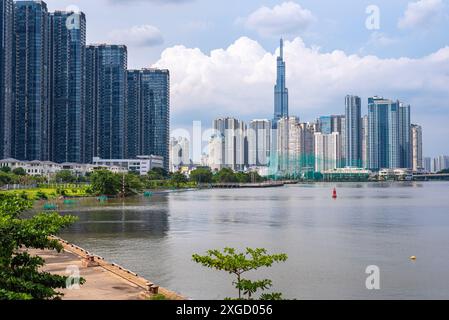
(104, 280)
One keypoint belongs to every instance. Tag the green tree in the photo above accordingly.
(237, 264)
(242, 177)
(104, 182)
(5, 169)
(178, 178)
(20, 278)
(65, 176)
(133, 184)
(154, 175)
(226, 175)
(19, 172)
(201, 175)
(6, 178)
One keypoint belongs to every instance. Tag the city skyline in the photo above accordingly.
(325, 63)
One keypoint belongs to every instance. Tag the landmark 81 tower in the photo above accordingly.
(280, 90)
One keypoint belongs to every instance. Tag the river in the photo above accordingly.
(330, 243)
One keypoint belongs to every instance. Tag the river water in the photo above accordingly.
(330, 243)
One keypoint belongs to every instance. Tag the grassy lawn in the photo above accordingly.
(50, 193)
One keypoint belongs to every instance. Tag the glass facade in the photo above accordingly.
(68, 42)
(133, 114)
(31, 121)
(104, 116)
(384, 133)
(326, 124)
(148, 113)
(6, 77)
(353, 106)
(405, 140)
(280, 90)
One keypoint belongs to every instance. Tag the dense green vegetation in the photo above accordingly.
(240, 263)
(445, 171)
(104, 182)
(20, 278)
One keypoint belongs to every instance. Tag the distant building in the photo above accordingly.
(327, 151)
(233, 135)
(179, 153)
(353, 133)
(216, 152)
(7, 54)
(428, 164)
(104, 116)
(365, 131)
(31, 116)
(258, 136)
(335, 123)
(141, 165)
(405, 141)
(148, 113)
(280, 89)
(287, 145)
(388, 134)
(416, 148)
(440, 163)
(67, 75)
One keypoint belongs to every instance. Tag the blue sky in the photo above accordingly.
(221, 54)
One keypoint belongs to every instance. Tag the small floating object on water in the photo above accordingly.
(50, 206)
(413, 258)
(334, 194)
(68, 201)
(148, 194)
(102, 198)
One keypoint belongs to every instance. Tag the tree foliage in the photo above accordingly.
(65, 176)
(104, 182)
(201, 175)
(20, 277)
(239, 263)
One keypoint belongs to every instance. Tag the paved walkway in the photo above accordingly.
(101, 284)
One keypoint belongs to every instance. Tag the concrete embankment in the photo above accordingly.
(104, 280)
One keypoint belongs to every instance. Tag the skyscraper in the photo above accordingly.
(67, 94)
(353, 132)
(405, 136)
(259, 142)
(416, 149)
(104, 116)
(365, 131)
(280, 90)
(327, 151)
(6, 77)
(383, 133)
(233, 135)
(31, 117)
(147, 115)
(179, 153)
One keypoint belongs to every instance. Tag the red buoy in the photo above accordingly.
(334, 194)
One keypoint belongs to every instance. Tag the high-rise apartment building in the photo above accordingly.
(353, 133)
(416, 148)
(104, 115)
(179, 153)
(365, 131)
(258, 136)
(233, 134)
(327, 151)
(428, 164)
(384, 142)
(67, 91)
(405, 142)
(6, 77)
(31, 115)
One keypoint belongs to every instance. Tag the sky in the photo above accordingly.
(222, 54)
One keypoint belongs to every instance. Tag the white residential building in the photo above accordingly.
(327, 151)
(141, 165)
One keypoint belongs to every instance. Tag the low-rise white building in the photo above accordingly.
(141, 165)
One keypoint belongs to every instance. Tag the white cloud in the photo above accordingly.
(286, 18)
(140, 36)
(421, 13)
(238, 81)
